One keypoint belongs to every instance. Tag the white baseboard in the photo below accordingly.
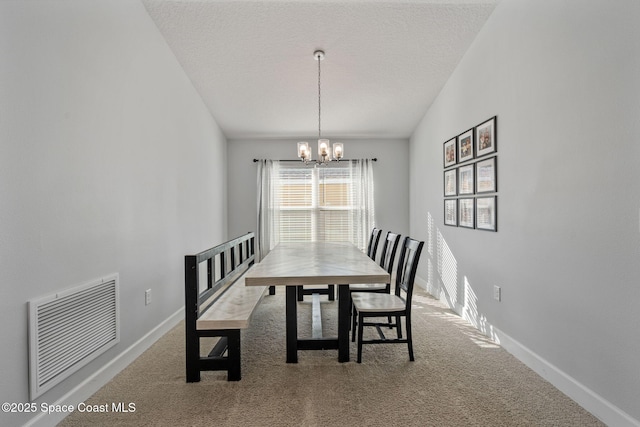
(595, 404)
(92, 384)
(423, 284)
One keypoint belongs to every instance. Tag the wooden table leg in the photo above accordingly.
(292, 324)
(344, 300)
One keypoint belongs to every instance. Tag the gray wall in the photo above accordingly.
(102, 137)
(562, 77)
(391, 175)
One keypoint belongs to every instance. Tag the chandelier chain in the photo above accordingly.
(319, 105)
(325, 149)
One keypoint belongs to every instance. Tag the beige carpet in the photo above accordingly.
(459, 378)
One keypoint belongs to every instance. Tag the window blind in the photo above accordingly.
(319, 203)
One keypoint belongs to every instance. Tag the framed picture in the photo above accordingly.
(450, 157)
(451, 212)
(465, 180)
(465, 212)
(450, 182)
(465, 146)
(486, 213)
(486, 176)
(486, 137)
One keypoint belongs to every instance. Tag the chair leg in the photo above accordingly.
(360, 327)
(300, 295)
(399, 326)
(354, 315)
(350, 311)
(409, 339)
(332, 293)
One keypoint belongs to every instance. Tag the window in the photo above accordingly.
(324, 203)
(315, 203)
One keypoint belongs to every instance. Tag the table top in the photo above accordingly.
(315, 263)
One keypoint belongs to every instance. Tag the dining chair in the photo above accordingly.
(397, 305)
(389, 249)
(387, 257)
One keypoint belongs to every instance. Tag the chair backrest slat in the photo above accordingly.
(372, 248)
(407, 267)
(389, 250)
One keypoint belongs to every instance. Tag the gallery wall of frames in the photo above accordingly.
(471, 178)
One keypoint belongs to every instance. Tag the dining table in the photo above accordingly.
(316, 263)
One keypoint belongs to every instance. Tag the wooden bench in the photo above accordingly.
(221, 308)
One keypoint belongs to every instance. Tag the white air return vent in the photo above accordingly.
(69, 329)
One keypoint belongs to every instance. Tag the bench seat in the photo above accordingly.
(233, 309)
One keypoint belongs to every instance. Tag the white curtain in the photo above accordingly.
(364, 203)
(268, 226)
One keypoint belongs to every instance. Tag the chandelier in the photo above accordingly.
(324, 145)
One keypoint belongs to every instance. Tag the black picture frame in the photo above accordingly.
(465, 146)
(486, 137)
(451, 212)
(487, 213)
(450, 182)
(450, 153)
(466, 212)
(487, 176)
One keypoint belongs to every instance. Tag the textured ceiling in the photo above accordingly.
(252, 61)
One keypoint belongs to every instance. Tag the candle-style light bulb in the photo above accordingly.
(338, 150)
(303, 147)
(323, 147)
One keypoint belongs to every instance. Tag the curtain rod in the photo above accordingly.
(315, 161)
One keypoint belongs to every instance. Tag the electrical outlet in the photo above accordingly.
(147, 297)
(497, 293)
